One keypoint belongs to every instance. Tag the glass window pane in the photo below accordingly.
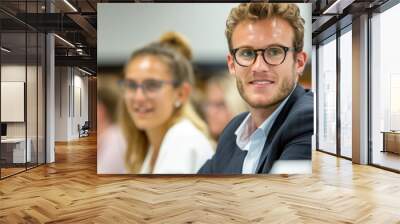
(23, 86)
(41, 98)
(13, 87)
(31, 97)
(327, 96)
(385, 89)
(346, 94)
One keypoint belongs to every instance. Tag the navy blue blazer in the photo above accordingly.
(288, 139)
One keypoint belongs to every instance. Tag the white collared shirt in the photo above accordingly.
(253, 142)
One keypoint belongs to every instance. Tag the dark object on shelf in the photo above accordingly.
(84, 130)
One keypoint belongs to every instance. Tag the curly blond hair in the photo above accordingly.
(261, 10)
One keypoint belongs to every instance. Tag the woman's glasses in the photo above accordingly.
(148, 86)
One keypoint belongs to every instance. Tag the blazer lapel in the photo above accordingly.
(269, 156)
(233, 160)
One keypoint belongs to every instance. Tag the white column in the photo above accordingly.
(360, 90)
(50, 92)
(50, 100)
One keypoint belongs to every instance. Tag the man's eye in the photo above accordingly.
(246, 53)
(275, 51)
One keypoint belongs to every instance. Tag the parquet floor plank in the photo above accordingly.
(70, 191)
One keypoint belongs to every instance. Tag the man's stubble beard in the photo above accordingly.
(284, 89)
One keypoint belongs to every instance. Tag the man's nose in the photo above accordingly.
(259, 64)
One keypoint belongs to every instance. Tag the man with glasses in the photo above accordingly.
(266, 57)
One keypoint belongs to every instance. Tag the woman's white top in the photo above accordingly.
(184, 149)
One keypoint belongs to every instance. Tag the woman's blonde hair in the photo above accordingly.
(182, 71)
(178, 42)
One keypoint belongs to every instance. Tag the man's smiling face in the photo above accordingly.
(262, 85)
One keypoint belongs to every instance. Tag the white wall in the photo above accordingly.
(12, 101)
(71, 88)
(12, 73)
(80, 109)
(61, 103)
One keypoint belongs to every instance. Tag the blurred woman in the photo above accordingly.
(163, 133)
(223, 102)
(110, 141)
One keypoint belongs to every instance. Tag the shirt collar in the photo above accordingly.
(245, 130)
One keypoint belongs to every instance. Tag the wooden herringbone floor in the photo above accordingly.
(69, 191)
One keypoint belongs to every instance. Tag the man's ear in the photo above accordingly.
(184, 92)
(231, 64)
(301, 60)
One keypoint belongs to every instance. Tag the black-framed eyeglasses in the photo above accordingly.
(148, 86)
(272, 55)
